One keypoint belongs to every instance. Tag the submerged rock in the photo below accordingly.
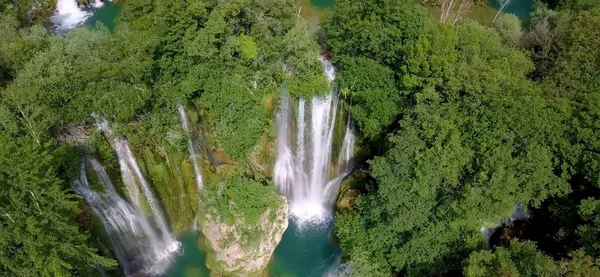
(241, 250)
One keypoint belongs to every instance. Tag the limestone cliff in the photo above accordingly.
(241, 250)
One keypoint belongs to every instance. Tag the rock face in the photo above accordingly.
(228, 251)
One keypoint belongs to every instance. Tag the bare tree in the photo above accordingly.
(540, 32)
(463, 9)
(503, 5)
(454, 10)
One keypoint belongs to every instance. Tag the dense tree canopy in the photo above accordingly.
(460, 125)
(39, 235)
(475, 136)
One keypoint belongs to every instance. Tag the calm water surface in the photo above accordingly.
(192, 262)
(106, 15)
(307, 251)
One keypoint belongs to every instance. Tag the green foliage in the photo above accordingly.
(18, 45)
(229, 58)
(247, 47)
(579, 265)
(39, 235)
(380, 30)
(27, 11)
(172, 176)
(508, 26)
(239, 198)
(589, 210)
(462, 154)
(520, 259)
(374, 99)
(464, 125)
(80, 74)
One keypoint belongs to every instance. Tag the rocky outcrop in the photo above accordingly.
(346, 200)
(241, 250)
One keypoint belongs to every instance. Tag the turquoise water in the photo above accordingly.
(192, 262)
(520, 8)
(306, 252)
(302, 252)
(107, 15)
(323, 4)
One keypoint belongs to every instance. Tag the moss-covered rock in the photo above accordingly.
(262, 159)
(350, 189)
(346, 200)
(241, 248)
(172, 176)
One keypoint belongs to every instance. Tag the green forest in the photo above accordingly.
(459, 124)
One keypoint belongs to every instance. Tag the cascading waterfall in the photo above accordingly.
(193, 157)
(68, 15)
(191, 148)
(138, 247)
(134, 180)
(344, 165)
(124, 153)
(303, 175)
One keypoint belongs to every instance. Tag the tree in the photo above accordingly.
(519, 259)
(522, 258)
(451, 13)
(508, 26)
(461, 156)
(39, 234)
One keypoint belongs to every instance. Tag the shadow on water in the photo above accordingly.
(306, 251)
(192, 262)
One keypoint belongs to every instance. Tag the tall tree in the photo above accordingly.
(39, 234)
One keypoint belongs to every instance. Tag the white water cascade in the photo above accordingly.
(97, 4)
(191, 149)
(68, 15)
(134, 180)
(137, 245)
(302, 167)
(517, 214)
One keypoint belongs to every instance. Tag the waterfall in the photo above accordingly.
(516, 214)
(344, 165)
(191, 148)
(303, 175)
(68, 15)
(134, 180)
(97, 4)
(136, 244)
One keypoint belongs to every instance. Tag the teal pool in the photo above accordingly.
(307, 251)
(520, 8)
(323, 4)
(192, 262)
(106, 15)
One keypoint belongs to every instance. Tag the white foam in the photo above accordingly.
(68, 15)
(98, 4)
(310, 213)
